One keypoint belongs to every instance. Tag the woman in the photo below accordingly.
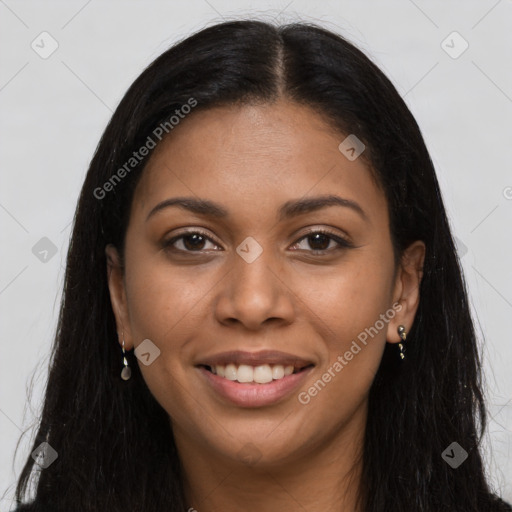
(263, 305)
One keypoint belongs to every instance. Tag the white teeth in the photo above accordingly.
(277, 371)
(262, 374)
(230, 372)
(244, 373)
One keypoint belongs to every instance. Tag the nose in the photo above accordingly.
(255, 294)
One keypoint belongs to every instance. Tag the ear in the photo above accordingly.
(407, 289)
(116, 286)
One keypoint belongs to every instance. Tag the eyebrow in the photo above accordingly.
(288, 210)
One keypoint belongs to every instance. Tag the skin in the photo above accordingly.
(194, 304)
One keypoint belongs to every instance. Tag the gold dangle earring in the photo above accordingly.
(403, 336)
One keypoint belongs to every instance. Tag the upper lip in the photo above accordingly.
(261, 357)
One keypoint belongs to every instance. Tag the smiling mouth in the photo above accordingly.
(248, 374)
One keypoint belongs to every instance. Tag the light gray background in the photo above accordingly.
(54, 111)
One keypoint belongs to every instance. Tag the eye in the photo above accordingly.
(320, 241)
(191, 241)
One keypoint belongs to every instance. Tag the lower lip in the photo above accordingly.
(254, 395)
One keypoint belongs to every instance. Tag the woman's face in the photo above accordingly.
(260, 278)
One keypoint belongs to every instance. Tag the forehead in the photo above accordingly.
(251, 156)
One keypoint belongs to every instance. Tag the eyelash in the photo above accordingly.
(342, 243)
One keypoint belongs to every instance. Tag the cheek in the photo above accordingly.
(163, 300)
(164, 307)
(354, 297)
(355, 309)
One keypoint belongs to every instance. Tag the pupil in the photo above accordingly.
(315, 239)
(195, 245)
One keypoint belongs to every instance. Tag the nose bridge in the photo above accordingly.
(254, 278)
(254, 292)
